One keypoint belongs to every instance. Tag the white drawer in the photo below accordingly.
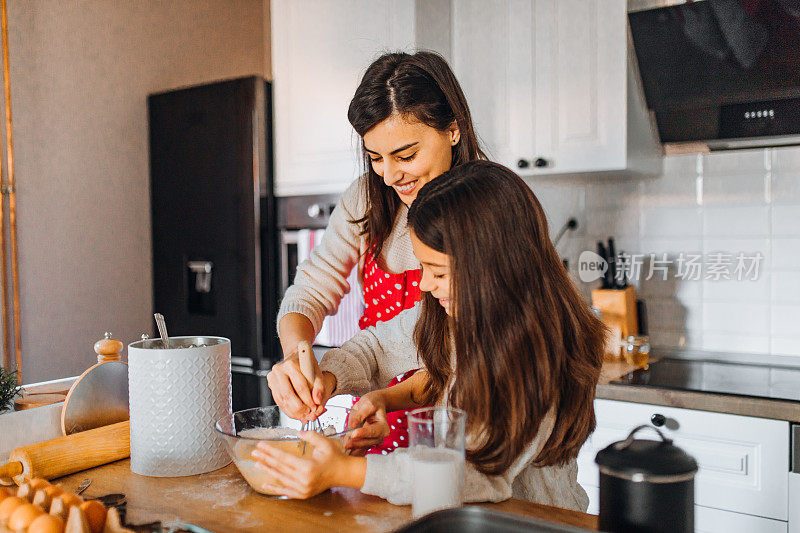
(707, 520)
(744, 461)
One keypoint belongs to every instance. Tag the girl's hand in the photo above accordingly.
(304, 477)
(371, 410)
(293, 393)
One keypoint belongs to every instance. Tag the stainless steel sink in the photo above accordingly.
(478, 520)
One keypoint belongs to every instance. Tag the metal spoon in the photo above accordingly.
(162, 329)
(83, 486)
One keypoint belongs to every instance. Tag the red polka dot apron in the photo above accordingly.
(385, 295)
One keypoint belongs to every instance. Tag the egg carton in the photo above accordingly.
(40, 507)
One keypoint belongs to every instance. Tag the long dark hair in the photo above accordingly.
(420, 86)
(525, 341)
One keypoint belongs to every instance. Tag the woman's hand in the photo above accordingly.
(371, 410)
(294, 394)
(303, 477)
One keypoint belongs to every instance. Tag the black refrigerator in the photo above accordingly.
(213, 222)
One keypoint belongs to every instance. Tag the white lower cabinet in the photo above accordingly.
(708, 520)
(742, 482)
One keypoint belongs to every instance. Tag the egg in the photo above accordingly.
(42, 499)
(59, 508)
(4, 493)
(95, 514)
(53, 491)
(70, 499)
(25, 491)
(38, 483)
(22, 517)
(46, 524)
(8, 506)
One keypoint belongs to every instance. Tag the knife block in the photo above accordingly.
(618, 312)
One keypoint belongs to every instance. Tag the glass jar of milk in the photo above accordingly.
(436, 445)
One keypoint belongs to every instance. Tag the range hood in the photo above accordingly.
(722, 72)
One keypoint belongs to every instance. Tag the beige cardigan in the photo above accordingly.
(321, 281)
(377, 354)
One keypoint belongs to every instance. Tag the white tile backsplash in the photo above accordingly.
(726, 342)
(736, 221)
(736, 162)
(785, 320)
(733, 290)
(731, 202)
(786, 253)
(684, 339)
(670, 189)
(786, 186)
(785, 286)
(736, 318)
(786, 158)
(672, 222)
(786, 220)
(727, 189)
(785, 346)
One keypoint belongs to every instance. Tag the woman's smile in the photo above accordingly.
(407, 188)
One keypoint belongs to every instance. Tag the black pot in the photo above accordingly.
(646, 486)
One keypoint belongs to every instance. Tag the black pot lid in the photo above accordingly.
(646, 460)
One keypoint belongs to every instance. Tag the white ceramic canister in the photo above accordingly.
(176, 396)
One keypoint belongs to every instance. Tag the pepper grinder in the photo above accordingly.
(108, 349)
(99, 397)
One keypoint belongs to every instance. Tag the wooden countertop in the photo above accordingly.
(222, 501)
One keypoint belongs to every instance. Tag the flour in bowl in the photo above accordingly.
(269, 433)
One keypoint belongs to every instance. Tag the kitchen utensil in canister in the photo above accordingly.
(646, 485)
(162, 329)
(66, 455)
(176, 396)
(99, 397)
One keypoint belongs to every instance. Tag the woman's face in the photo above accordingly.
(435, 272)
(409, 154)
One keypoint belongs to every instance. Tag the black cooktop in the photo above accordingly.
(761, 381)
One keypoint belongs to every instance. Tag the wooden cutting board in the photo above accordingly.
(29, 401)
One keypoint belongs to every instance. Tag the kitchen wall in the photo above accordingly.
(739, 202)
(80, 75)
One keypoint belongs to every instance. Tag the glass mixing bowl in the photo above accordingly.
(242, 430)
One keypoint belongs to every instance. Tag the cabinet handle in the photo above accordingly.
(658, 420)
(523, 163)
(540, 162)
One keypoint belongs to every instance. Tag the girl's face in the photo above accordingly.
(435, 272)
(409, 154)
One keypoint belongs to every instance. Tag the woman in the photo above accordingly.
(414, 124)
(503, 335)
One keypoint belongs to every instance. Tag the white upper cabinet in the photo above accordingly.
(320, 50)
(552, 84)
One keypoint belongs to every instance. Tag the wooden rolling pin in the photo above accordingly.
(66, 455)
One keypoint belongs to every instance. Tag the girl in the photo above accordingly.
(503, 335)
(414, 124)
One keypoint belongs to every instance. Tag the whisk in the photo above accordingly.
(307, 368)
